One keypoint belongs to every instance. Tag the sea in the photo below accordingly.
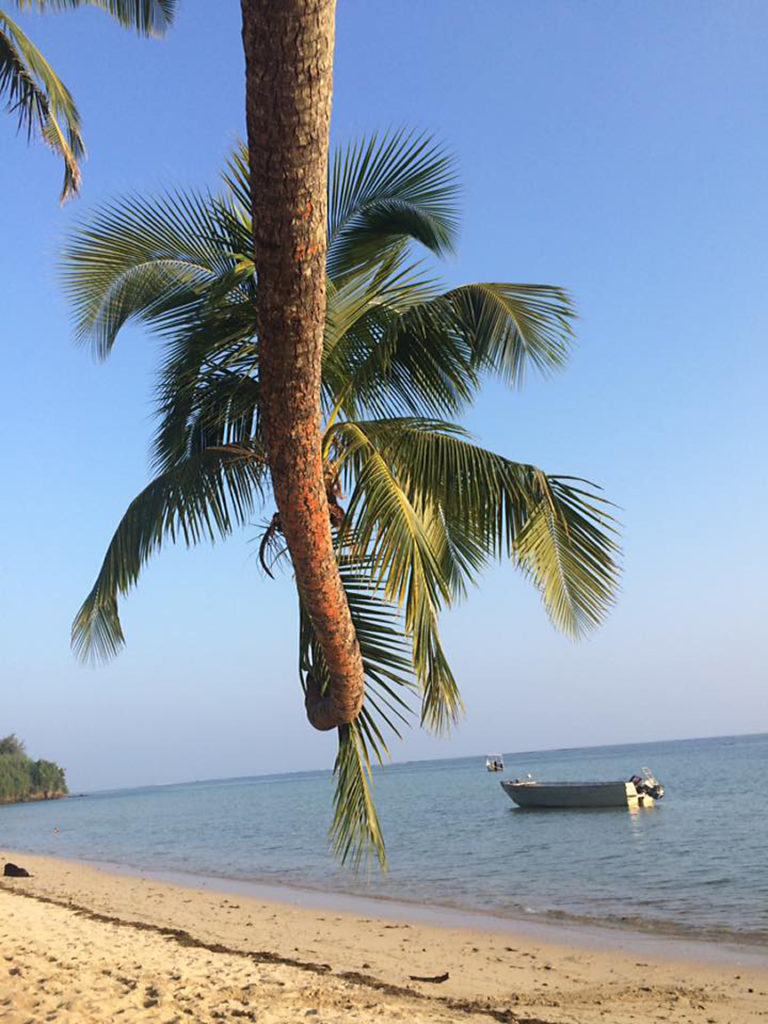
(694, 866)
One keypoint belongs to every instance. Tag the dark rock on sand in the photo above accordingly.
(14, 871)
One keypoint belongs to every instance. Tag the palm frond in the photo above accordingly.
(40, 101)
(149, 17)
(383, 191)
(384, 525)
(236, 177)
(568, 548)
(144, 260)
(401, 361)
(511, 326)
(355, 831)
(221, 408)
(430, 470)
(475, 505)
(428, 357)
(206, 496)
(393, 284)
(208, 391)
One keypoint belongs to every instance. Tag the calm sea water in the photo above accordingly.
(695, 865)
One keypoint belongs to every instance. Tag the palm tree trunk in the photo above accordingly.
(289, 68)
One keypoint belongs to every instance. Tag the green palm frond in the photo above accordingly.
(151, 261)
(202, 498)
(365, 344)
(382, 191)
(169, 263)
(40, 101)
(511, 326)
(222, 409)
(433, 509)
(393, 284)
(383, 523)
(568, 547)
(383, 194)
(480, 506)
(427, 457)
(149, 17)
(236, 178)
(208, 384)
(429, 357)
(355, 829)
(395, 362)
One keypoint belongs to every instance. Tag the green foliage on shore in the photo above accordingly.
(21, 778)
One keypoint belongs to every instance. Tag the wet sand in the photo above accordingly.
(81, 944)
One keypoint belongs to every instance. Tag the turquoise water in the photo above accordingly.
(694, 865)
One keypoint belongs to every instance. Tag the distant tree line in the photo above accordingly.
(21, 778)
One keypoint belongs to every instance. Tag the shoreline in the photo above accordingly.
(33, 798)
(547, 926)
(118, 937)
(588, 933)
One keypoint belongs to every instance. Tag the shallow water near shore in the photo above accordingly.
(692, 866)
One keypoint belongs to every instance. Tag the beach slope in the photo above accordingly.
(81, 944)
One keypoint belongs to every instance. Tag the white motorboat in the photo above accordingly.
(494, 763)
(640, 791)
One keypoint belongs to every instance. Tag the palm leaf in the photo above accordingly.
(236, 177)
(365, 345)
(401, 361)
(475, 505)
(221, 408)
(382, 194)
(208, 391)
(392, 284)
(170, 263)
(428, 357)
(151, 261)
(41, 102)
(384, 525)
(568, 548)
(384, 191)
(203, 497)
(355, 830)
(149, 17)
(511, 326)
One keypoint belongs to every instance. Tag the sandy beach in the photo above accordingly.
(81, 944)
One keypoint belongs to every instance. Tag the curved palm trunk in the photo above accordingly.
(289, 64)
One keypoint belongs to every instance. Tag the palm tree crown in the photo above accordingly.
(34, 93)
(425, 508)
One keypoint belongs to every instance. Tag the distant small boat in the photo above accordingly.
(494, 763)
(640, 791)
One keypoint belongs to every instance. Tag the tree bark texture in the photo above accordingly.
(289, 71)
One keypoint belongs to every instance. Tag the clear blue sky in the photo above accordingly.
(618, 149)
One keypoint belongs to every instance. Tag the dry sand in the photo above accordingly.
(81, 944)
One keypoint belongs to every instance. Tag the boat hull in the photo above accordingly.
(575, 794)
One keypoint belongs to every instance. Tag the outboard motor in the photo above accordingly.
(647, 784)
